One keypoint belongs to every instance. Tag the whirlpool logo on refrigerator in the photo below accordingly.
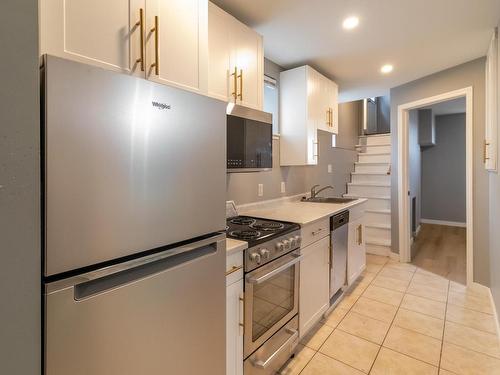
(161, 106)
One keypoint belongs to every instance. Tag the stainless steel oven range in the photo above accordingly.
(271, 291)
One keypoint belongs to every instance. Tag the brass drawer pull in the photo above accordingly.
(233, 270)
(240, 95)
(156, 30)
(140, 24)
(234, 94)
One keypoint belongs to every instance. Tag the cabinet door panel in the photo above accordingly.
(234, 334)
(101, 33)
(356, 258)
(314, 284)
(219, 52)
(182, 43)
(248, 59)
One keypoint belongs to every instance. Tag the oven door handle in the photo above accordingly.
(258, 280)
(262, 364)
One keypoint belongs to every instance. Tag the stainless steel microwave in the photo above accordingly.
(249, 139)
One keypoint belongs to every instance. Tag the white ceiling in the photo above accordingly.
(419, 37)
(449, 107)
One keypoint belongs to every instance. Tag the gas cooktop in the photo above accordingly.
(255, 231)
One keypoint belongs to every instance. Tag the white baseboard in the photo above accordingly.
(418, 230)
(394, 256)
(484, 289)
(444, 222)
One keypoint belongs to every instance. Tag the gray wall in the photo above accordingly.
(468, 74)
(443, 171)
(20, 314)
(243, 187)
(414, 161)
(494, 225)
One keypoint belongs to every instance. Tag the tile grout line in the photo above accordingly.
(390, 326)
(348, 310)
(444, 328)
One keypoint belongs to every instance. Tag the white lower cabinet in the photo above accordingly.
(314, 283)
(234, 328)
(356, 253)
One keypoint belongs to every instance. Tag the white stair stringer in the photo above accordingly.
(371, 179)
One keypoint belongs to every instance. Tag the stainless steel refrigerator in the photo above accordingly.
(134, 201)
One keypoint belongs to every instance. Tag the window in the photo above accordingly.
(271, 101)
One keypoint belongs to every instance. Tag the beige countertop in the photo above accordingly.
(234, 246)
(298, 212)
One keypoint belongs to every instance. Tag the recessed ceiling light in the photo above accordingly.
(350, 22)
(387, 68)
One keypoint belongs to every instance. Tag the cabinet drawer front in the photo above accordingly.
(234, 267)
(315, 231)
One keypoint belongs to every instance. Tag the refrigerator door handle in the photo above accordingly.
(96, 282)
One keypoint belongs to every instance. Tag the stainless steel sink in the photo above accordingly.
(328, 200)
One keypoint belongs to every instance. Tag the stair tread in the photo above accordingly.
(364, 196)
(372, 162)
(380, 211)
(374, 153)
(378, 145)
(375, 135)
(378, 242)
(377, 225)
(371, 173)
(368, 184)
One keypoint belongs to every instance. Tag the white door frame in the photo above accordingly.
(403, 175)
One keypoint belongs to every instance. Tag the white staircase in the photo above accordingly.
(371, 179)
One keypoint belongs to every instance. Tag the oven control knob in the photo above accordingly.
(264, 253)
(293, 242)
(255, 257)
(280, 246)
(286, 244)
(298, 240)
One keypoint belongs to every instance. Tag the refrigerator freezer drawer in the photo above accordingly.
(164, 315)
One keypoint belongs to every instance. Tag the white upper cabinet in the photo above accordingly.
(235, 60)
(308, 103)
(103, 33)
(492, 104)
(177, 43)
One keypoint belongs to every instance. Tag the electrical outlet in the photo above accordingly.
(283, 189)
(261, 190)
(329, 168)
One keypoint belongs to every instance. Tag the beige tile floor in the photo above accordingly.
(402, 319)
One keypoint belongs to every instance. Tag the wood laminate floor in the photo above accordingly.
(440, 250)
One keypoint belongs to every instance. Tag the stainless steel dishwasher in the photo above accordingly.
(338, 251)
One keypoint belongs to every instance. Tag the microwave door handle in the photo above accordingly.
(260, 279)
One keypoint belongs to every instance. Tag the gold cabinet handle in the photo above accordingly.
(360, 234)
(240, 95)
(315, 145)
(331, 117)
(140, 24)
(241, 317)
(485, 151)
(328, 116)
(233, 270)
(156, 30)
(234, 94)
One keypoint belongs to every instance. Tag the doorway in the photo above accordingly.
(433, 240)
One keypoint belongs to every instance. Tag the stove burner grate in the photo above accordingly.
(243, 221)
(245, 234)
(267, 226)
